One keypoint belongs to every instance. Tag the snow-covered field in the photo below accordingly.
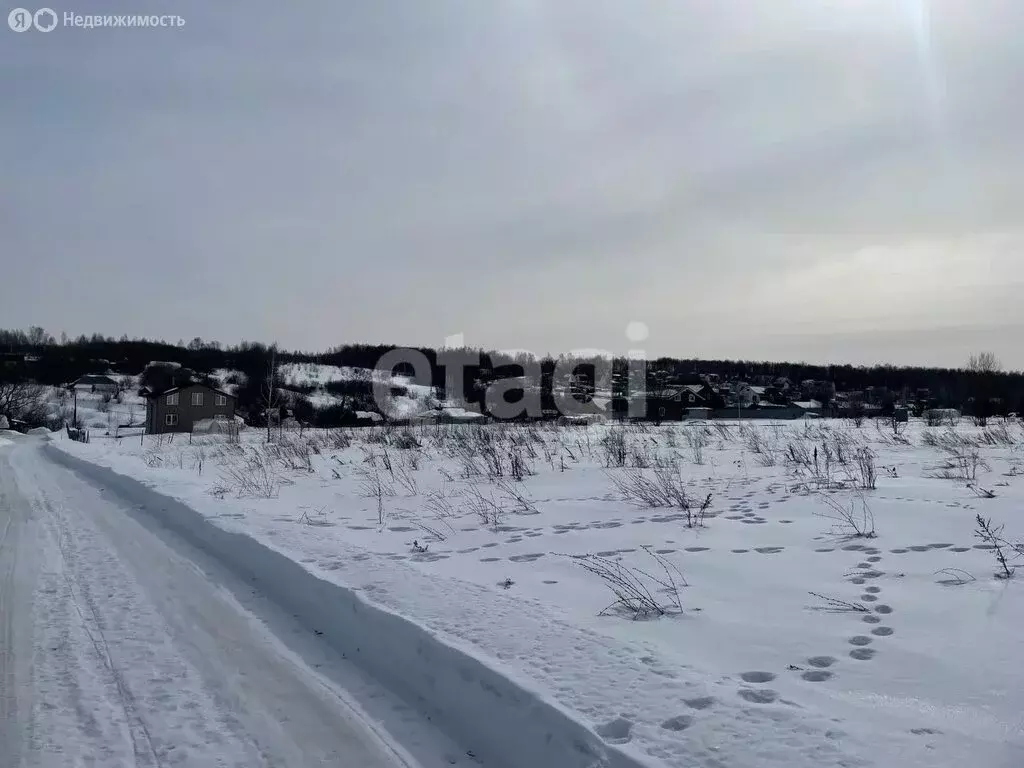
(98, 412)
(833, 608)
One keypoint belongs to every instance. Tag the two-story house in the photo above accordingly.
(179, 408)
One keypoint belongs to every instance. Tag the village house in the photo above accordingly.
(178, 409)
(747, 395)
(96, 382)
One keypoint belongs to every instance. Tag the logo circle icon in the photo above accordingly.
(637, 331)
(20, 20)
(45, 19)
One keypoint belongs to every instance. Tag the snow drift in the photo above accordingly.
(501, 721)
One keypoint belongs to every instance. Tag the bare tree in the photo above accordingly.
(38, 336)
(271, 397)
(984, 362)
(21, 400)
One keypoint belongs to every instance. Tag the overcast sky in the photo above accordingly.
(820, 180)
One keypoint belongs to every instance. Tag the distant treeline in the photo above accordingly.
(58, 361)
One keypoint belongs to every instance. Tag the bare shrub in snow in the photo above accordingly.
(470, 467)
(867, 474)
(938, 417)
(961, 465)
(799, 455)
(412, 459)
(316, 517)
(836, 605)
(753, 438)
(950, 440)
(724, 432)
(432, 531)
(1003, 551)
(637, 592)
(405, 440)
(998, 435)
(857, 415)
(251, 474)
(375, 486)
(641, 458)
(697, 518)
(663, 487)
(981, 493)
(955, 577)
(854, 521)
(385, 459)
(816, 468)
(697, 439)
(293, 454)
(406, 480)
(518, 468)
(515, 496)
(440, 504)
(614, 447)
(339, 439)
(485, 506)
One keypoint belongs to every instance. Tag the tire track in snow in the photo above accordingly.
(10, 741)
(143, 750)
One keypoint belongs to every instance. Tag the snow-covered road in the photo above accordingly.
(120, 645)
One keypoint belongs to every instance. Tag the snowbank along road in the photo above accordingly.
(121, 644)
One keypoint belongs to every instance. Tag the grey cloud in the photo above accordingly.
(534, 174)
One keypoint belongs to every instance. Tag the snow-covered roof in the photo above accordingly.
(450, 412)
(808, 405)
(172, 390)
(461, 413)
(94, 379)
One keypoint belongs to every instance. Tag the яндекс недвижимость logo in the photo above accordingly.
(22, 20)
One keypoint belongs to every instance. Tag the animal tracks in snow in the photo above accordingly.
(617, 731)
(816, 675)
(757, 677)
(758, 695)
(701, 702)
(862, 650)
(862, 654)
(821, 662)
(678, 723)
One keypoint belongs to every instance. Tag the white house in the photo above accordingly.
(747, 395)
